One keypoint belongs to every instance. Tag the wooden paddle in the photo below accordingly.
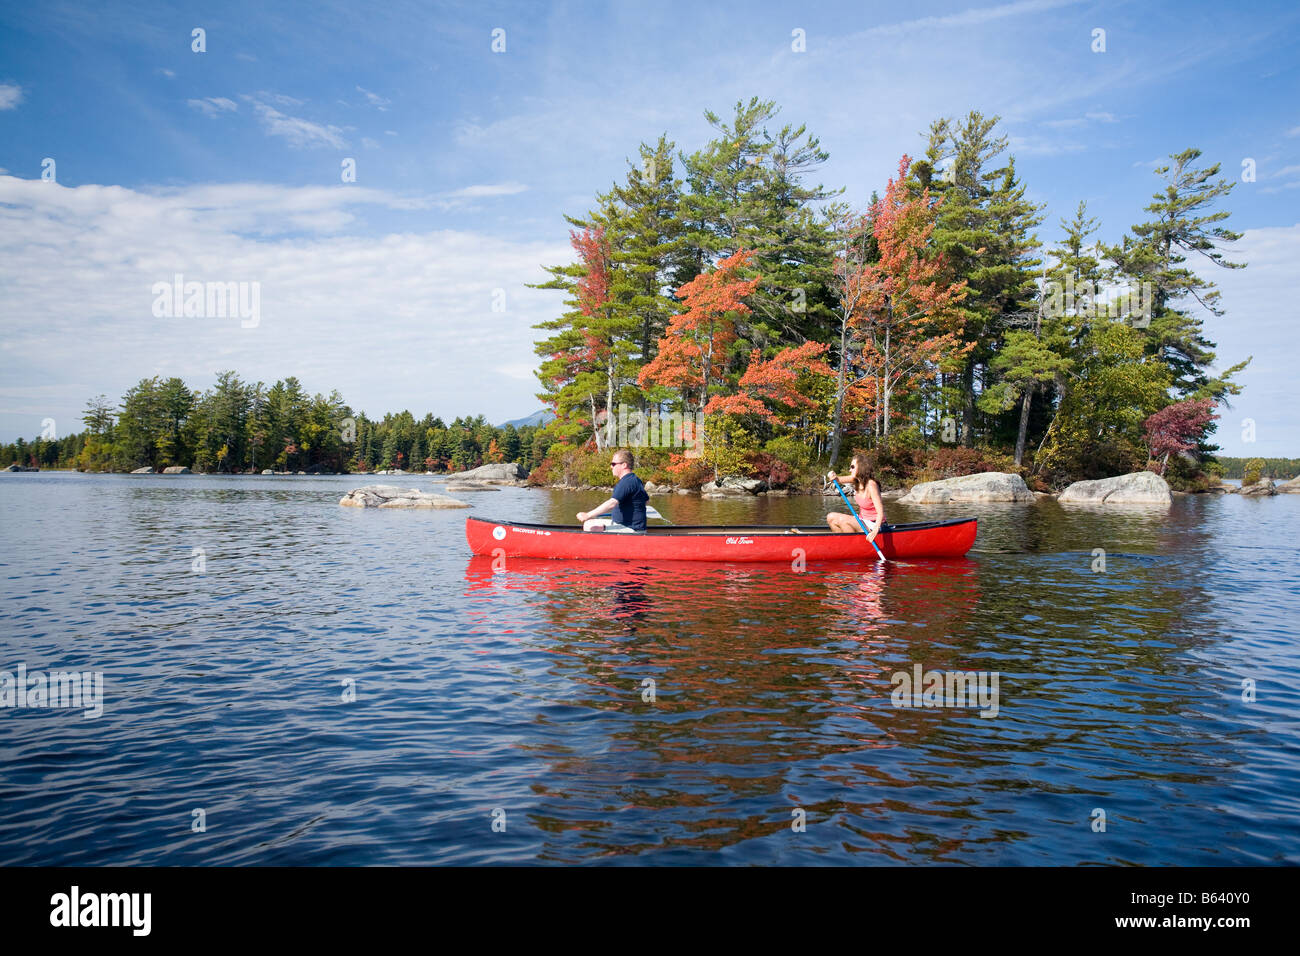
(861, 523)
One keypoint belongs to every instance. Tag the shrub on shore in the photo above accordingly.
(956, 462)
(1253, 472)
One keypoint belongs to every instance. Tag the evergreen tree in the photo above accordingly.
(1115, 388)
(98, 416)
(388, 454)
(747, 191)
(1155, 254)
(227, 422)
(984, 229)
(142, 422)
(1041, 359)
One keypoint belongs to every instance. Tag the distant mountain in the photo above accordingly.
(539, 417)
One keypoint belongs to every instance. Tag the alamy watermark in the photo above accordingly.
(76, 908)
(84, 689)
(208, 300)
(635, 429)
(921, 688)
(1083, 299)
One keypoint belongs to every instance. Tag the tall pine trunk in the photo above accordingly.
(968, 404)
(837, 414)
(595, 429)
(609, 403)
(1025, 401)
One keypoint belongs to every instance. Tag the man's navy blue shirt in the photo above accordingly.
(630, 497)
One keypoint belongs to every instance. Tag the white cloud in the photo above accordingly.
(495, 189)
(1260, 320)
(213, 105)
(10, 96)
(395, 321)
(167, 73)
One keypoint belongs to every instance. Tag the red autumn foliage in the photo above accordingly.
(904, 308)
(1178, 427)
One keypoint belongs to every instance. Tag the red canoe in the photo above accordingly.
(929, 539)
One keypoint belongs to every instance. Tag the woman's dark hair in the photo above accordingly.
(865, 471)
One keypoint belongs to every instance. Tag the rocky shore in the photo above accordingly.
(390, 496)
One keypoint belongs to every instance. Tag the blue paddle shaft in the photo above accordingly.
(858, 517)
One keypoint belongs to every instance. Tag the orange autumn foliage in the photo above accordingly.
(775, 383)
(698, 337)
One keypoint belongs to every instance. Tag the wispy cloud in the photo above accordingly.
(213, 105)
(966, 18)
(493, 189)
(374, 99)
(279, 99)
(1038, 146)
(10, 96)
(299, 132)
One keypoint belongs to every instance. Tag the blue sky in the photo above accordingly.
(225, 166)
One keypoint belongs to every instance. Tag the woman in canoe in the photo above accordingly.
(866, 497)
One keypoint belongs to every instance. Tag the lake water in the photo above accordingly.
(507, 716)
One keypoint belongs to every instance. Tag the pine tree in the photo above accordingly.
(984, 229)
(591, 355)
(646, 245)
(1042, 358)
(388, 455)
(1155, 254)
(747, 191)
(98, 416)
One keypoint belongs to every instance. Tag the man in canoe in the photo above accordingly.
(628, 499)
(866, 496)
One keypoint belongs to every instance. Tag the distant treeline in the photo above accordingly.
(1269, 467)
(240, 427)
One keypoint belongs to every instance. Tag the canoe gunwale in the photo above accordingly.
(706, 530)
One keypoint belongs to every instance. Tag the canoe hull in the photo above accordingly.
(931, 539)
